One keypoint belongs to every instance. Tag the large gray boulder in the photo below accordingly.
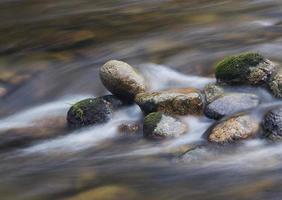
(230, 104)
(122, 80)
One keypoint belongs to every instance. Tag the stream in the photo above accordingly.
(50, 55)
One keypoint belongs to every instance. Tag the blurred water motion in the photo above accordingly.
(50, 52)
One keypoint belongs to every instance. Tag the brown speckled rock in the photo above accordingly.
(174, 101)
(235, 128)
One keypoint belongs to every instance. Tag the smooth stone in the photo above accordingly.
(275, 84)
(92, 111)
(246, 68)
(230, 104)
(173, 101)
(233, 129)
(272, 123)
(212, 92)
(159, 126)
(122, 80)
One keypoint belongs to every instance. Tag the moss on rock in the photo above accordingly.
(235, 69)
(89, 111)
(159, 126)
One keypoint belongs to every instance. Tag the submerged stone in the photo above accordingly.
(234, 128)
(159, 126)
(272, 123)
(129, 128)
(92, 111)
(245, 68)
(122, 80)
(173, 101)
(230, 104)
(109, 192)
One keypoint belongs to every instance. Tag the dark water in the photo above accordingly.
(50, 52)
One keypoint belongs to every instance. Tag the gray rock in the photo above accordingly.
(230, 104)
(234, 128)
(174, 101)
(92, 111)
(159, 126)
(272, 123)
(275, 84)
(213, 91)
(122, 80)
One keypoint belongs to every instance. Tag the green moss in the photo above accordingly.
(235, 68)
(151, 121)
(78, 107)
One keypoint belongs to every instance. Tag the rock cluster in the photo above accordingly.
(162, 109)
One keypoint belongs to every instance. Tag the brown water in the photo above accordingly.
(50, 52)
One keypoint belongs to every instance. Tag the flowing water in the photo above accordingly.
(50, 54)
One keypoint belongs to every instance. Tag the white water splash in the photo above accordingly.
(163, 77)
(87, 137)
(26, 117)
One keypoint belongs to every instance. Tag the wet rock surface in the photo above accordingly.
(272, 123)
(122, 80)
(246, 68)
(212, 92)
(159, 126)
(89, 112)
(173, 101)
(230, 104)
(275, 84)
(233, 129)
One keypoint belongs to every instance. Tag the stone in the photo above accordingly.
(92, 111)
(246, 68)
(159, 126)
(173, 101)
(275, 84)
(272, 123)
(230, 104)
(233, 129)
(122, 80)
(212, 92)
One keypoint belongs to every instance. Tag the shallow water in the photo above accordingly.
(50, 54)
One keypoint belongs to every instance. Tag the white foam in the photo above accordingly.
(163, 77)
(26, 117)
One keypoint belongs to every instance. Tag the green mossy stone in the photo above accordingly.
(160, 126)
(235, 69)
(89, 112)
